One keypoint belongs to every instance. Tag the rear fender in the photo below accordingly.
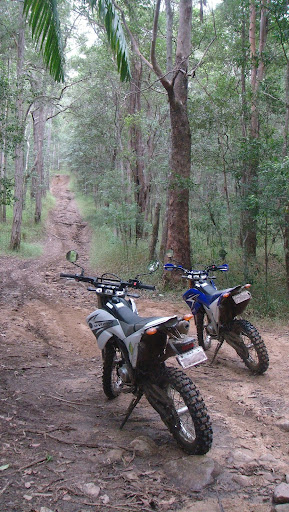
(132, 341)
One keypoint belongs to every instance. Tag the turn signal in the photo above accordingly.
(152, 330)
(188, 317)
(227, 294)
(248, 285)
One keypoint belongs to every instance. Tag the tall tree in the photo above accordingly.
(178, 233)
(19, 151)
(250, 174)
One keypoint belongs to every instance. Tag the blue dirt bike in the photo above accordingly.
(216, 311)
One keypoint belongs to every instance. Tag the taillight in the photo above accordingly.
(187, 346)
(188, 317)
(184, 346)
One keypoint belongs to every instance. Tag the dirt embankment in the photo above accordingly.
(61, 447)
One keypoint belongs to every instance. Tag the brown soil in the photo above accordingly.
(58, 429)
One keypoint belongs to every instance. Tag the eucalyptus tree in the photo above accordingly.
(175, 83)
(19, 150)
(250, 175)
(279, 30)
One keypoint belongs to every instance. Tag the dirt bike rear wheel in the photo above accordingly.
(112, 360)
(204, 339)
(189, 422)
(252, 348)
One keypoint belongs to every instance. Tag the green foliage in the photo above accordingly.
(32, 234)
(115, 35)
(6, 191)
(43, 19)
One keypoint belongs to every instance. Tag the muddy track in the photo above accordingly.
(61, 447)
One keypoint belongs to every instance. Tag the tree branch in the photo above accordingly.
(136, 49)
(156, 67)
(192, 73)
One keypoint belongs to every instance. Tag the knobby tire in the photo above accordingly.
(192, 429)
(260, 363)
(111, 382)
(203, 342)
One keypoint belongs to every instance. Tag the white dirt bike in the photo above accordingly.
(134, 351)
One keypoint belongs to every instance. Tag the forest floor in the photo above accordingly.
(61, 447)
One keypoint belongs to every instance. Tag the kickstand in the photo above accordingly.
(217, 350)
(131, 407)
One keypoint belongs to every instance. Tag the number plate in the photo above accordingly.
(192, 357)
(241, 297)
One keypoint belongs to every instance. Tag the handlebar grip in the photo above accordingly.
(147, 287)
(71, 276)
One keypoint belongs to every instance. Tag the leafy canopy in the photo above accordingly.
(43, 19)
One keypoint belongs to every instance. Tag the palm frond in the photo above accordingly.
(115, 34)
(43, 19)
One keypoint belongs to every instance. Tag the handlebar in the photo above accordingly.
(112, 282)
(135, 283)
(205, 271)
(79, 277)
(71, 276)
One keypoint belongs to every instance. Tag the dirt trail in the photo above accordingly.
(61, 447)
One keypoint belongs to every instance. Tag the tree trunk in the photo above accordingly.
(15, 239)
(47, 167)
(38, 116)
(285, 153)
(136, 144)
(178, 235)
(155, 232)
(3, 154)
(250, 176)
(178, 238)
(286, 246)
(224, 165)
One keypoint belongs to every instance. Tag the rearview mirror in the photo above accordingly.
(72, 256)
(153, 266)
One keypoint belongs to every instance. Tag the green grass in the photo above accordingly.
(31, 234)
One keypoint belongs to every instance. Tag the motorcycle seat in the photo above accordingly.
(217, 293)
(208, 289)
(129, 329)
(129, 320)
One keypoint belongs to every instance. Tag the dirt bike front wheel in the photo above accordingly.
(112, 361)
(251, 348)
(204, 339)
(188, 422)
